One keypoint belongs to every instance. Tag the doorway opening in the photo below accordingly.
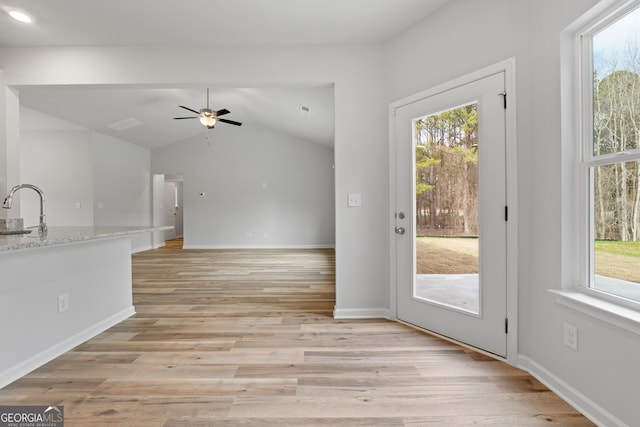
(173, 205)
(168, 208)
(453, 253)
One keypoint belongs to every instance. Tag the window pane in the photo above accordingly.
(616, 227)
(616, 90)
(446, 200)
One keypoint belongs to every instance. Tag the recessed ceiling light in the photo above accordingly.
(20, 16)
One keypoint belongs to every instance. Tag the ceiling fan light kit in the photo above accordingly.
(207, 116)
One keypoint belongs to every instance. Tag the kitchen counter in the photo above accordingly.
(59, 290)
(66, 235)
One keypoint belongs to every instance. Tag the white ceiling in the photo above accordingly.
(98, 108)
(199, 23)
(209, 22)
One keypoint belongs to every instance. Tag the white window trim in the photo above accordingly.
(577, 270)
(599, 308)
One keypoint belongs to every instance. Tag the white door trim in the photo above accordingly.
(508, 66)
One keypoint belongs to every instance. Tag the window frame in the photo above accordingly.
(586, 161)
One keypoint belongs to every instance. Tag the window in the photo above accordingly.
(609, 165)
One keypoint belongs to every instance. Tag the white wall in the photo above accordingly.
(262, 188)
(59, 163)
(9, 140)
(88, 178)
(122, 183)
(602, 377)
(122, 186)
(56, 157)
(361, 149)
(157, 214)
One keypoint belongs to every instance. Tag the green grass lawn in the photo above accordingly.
(617, 259)
(615, 247)
(438, 255)
(446, 255)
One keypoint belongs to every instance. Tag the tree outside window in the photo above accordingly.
(612, 158)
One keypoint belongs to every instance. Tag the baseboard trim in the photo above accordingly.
(142, 248)
(258, 246)
(361, 313)
(573, 397)
(22, 369)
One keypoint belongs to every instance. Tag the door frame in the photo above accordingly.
(508, 67)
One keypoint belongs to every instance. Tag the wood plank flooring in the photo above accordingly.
(246, 338)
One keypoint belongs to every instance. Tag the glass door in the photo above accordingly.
(450, 213)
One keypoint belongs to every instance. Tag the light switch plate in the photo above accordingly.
(354, 200)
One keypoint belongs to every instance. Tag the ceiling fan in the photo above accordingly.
(207, 116)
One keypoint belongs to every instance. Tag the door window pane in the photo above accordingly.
(446, 200)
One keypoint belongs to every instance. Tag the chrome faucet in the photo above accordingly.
(42, 227)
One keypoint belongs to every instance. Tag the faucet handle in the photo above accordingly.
(7, 202)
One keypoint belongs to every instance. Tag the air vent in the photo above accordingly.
(125, 124)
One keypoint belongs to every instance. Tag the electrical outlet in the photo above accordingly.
(571, 336)
(63, 303)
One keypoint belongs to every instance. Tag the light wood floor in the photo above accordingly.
(247, 338)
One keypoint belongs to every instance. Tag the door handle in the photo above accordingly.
(400, 230)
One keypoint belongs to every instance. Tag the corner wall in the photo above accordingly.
(88, 178)
(601, 378)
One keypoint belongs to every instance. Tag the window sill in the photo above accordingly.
(614, 314)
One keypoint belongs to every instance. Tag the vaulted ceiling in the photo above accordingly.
(201, 23)
(144, 116)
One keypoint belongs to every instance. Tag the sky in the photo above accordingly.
(616, 39)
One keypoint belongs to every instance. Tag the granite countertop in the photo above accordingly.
(66, 235)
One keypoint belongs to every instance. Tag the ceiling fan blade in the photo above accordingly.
(187, 108)
(222, 112)
(231, 122)
(182, 118)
